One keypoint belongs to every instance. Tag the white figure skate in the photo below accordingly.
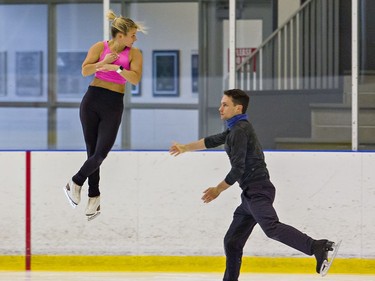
(93, 208)
(73, 193)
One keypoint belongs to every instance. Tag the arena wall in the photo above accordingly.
(151, 204)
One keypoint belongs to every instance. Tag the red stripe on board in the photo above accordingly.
(28, 211)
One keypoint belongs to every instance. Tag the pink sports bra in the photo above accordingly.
(113, 76)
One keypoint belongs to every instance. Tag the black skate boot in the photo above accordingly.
(320, 250)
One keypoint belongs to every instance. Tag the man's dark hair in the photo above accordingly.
(239, 97)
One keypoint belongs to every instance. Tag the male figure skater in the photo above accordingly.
(249, 169)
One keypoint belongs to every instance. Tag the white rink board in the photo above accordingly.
(13, 202)
(151, 203)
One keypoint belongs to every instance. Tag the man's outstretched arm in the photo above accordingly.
(177, 148)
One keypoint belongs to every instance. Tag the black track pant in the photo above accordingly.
(256, 207)
(100, 114)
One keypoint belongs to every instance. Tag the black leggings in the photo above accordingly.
(100, 114)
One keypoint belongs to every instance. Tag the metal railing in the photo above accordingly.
(302, 54)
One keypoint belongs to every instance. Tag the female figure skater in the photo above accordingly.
(114, 63)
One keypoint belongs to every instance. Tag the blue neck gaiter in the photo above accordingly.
(232, 121)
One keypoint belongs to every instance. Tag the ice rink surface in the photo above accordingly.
(125, 276)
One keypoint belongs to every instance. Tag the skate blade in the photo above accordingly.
(327, 264)
(91, 217)
(74, 205)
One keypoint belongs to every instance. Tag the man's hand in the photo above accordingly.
(177, 149)
(210, 194)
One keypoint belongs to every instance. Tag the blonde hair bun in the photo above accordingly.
(123, 24)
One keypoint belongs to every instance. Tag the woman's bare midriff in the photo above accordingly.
(120, 88)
